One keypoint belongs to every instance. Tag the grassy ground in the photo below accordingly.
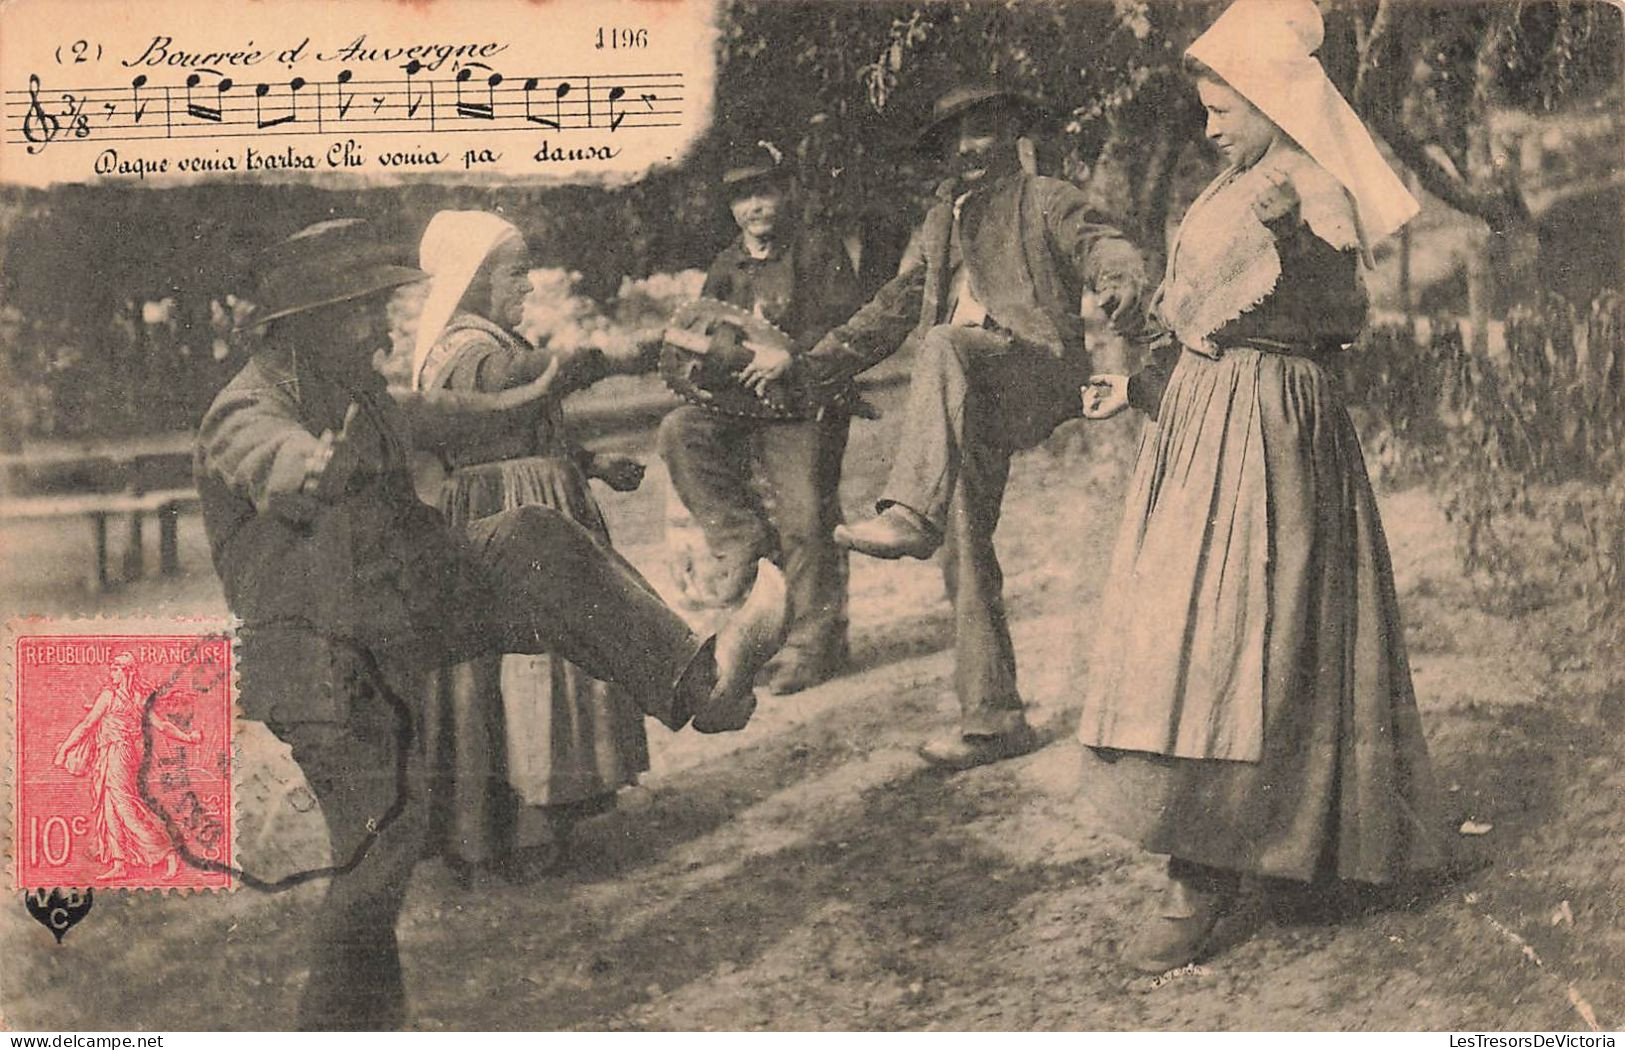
(809, 873)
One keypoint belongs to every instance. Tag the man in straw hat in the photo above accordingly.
(800, 281)
(989, 296)
(337, 571)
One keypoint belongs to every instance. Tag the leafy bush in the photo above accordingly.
(1523, 443)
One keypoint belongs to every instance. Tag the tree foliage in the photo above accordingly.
(846, 83)
(843, 87)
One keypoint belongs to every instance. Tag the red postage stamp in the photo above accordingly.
(122, 759)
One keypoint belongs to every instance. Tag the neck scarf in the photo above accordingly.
(1223, 261)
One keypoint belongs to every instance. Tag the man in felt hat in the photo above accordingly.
(989, 295)
(800, 280)
(345, 584)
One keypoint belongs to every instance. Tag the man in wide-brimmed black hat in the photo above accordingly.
(990, 298)
(345, 584)
(799, 280)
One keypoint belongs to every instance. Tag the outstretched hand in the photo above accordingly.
(648, 341)
(1105, 396)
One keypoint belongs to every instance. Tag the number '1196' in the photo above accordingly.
(621, 39)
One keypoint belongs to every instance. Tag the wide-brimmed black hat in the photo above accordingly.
(958, 101)
(749, 165)
(330, 262)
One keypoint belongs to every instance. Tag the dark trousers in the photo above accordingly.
(527, 580)
(711, 457)
(975, 397)
(355, 965)
(530, 580)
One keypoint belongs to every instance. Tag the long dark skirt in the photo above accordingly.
(512, 739)
(1249, 702)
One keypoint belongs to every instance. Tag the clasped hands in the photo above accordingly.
(621, 473)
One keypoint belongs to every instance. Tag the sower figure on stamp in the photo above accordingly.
(108, 744)
(337, 570)
(799, 280)
(990, 296)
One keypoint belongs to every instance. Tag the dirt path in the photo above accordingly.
(810, 873)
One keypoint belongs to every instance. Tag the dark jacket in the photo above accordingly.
(371, 564)
(1030, 245)
(805, 289)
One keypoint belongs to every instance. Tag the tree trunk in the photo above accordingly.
(1152, 210)
(1482, 177)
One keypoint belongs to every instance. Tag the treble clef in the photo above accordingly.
(39, 127)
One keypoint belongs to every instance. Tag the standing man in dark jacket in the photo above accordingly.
(345, 583)
(990, 296)
(800, 280)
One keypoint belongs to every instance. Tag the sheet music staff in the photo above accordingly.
(208, 105)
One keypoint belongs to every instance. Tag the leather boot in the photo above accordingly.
(896, 532)
(1178, 928)
(958, 753)
(744, 645)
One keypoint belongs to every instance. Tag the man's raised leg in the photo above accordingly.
(914, 504)
(549, 587)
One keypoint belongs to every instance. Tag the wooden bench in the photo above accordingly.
(167, 504)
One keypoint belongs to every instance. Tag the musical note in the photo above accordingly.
(201, 110)
(413, 68)
(483, 110)
(138, 107)
(344, 102)
(262, 90)
(557, 120)
(39, 127)
(616, 93)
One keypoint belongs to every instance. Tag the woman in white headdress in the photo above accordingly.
(519, 746)
(1249, 709)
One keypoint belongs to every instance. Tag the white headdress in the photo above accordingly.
(454, 246)
(1265, 50)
